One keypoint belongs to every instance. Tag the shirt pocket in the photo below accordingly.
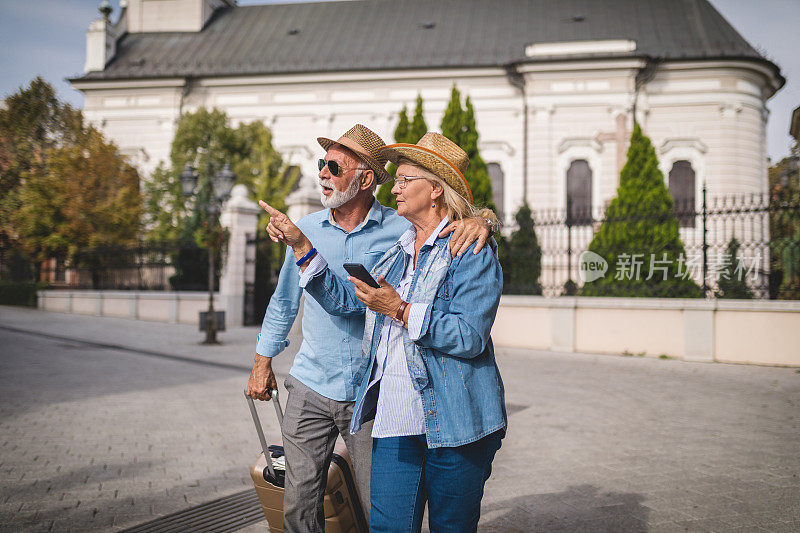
(443, 295)
(372, 257)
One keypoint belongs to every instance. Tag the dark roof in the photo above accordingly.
(400, 34)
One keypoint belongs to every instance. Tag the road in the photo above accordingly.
(108, 423)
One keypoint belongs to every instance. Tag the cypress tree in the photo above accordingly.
(403, 126)
(458, 125)
(731, 282)
(452, 120)
(521, 256)
(639, 237)
(384, 194)
(418, 127)
(405, 132)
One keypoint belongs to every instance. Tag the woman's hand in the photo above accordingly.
(384, 300)
(282, 229)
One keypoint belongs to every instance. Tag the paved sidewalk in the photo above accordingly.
(108, 423)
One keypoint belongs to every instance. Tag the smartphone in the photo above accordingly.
(359, 271)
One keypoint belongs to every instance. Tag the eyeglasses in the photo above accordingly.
(401, 180)
(333, 166)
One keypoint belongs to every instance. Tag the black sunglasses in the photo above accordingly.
(333, 166)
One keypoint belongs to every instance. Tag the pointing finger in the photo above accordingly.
(269, 209)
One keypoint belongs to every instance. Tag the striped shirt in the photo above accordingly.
(399, 411)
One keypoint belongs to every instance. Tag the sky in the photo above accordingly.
(48, 38)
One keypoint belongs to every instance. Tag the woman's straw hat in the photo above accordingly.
(366, 144)
(439, 155)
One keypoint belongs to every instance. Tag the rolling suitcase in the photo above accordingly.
(342, 506)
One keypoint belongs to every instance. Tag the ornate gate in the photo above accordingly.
(258, 278)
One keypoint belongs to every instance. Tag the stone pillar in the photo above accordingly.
(240, 216)
(304, 200)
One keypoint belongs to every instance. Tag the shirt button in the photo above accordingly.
(345, 341)
(430, 411)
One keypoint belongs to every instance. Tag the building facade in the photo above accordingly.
(556, 87)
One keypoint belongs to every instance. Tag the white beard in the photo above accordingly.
(339, 198)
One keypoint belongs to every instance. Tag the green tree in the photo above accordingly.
(261, 168)
(163, 204)
(521, 256)
(418, 127)
(86, 197)
(32, 121)
(640, 230)
(384, 193)
(784, 227)
(205, 140)
(63, 186)
(458, 125)
(405, 132)
(731, 282)
(268, 178)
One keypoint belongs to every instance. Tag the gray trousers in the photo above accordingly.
(311, 423)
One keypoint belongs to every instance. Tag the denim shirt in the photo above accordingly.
(330, 353)
(452, 363)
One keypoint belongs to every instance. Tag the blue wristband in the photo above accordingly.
(306, 257)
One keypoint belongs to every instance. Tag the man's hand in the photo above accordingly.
(262, 379)
(465, 232)
(385, 300)
(281, 228)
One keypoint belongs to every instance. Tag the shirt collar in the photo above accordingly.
(407, 239)
(374, 216)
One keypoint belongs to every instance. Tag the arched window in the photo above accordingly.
(681, 187)
(496, 176)
(579, 193)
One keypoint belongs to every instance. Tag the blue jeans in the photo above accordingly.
(406, 473)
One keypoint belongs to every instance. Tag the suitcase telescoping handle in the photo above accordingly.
(264, 447)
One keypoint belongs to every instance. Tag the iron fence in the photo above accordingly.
(179, 266)
(765, 262)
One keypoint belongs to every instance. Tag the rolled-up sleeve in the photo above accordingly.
(416, 319)
(314, 268)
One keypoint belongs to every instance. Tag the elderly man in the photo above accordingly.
(354, 228)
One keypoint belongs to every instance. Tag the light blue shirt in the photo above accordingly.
(330, 353)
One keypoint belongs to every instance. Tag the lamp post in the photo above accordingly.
(219, 185)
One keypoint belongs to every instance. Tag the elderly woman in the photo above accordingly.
(428, 376)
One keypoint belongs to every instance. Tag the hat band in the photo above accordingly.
(441, 158)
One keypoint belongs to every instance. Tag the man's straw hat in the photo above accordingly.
(365, 144)
(439, 155)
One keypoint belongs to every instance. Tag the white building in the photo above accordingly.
(553, 83)
(555, 86)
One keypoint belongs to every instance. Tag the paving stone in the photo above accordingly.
(595, 442)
